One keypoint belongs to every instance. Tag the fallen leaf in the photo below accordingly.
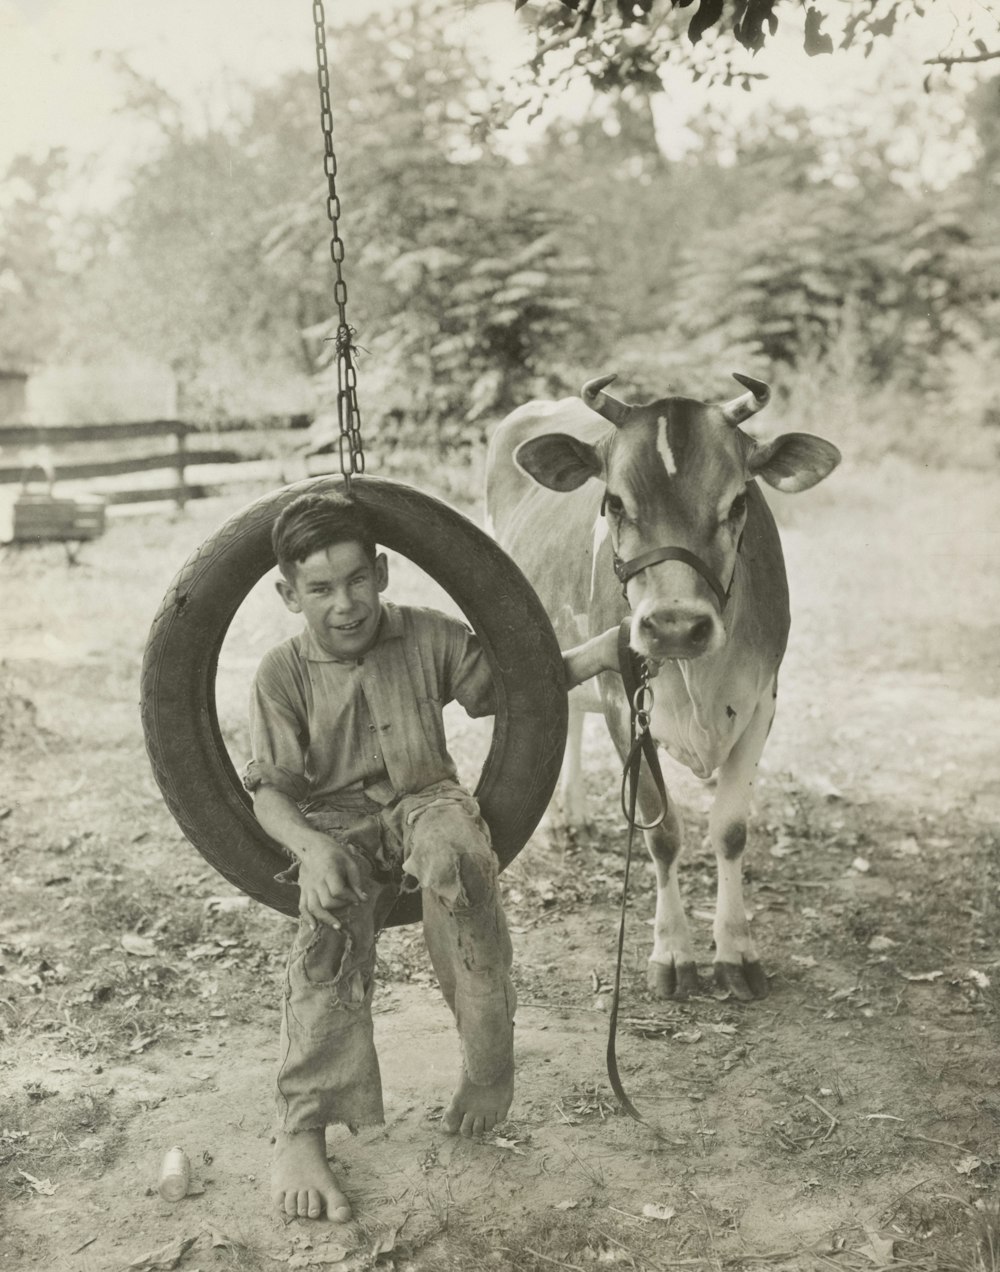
(139, 946)
(878, 944)
(660, 1213)
(921, 976)
(385, 1244)
(967, 1165)
(226, 905)
(509, 1143)
(319, 1258)
(565, 1205)
(221, 1242)
(164, 1259)
(877, 1249)
(44, 1187)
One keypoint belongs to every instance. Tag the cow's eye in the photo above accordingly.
(738, 507)
(614, 505)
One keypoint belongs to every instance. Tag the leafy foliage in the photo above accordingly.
(477, 281)
(461, 282)
(618, 43)
(30, 259)
(473, 336)
(802, 267)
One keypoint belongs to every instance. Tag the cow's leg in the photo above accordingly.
(672, 971)
(573, 797)
(737, 967)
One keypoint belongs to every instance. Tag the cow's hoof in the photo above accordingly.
(672, 980)
(745, 981)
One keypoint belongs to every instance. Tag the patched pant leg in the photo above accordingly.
(447, 849)
(329, 1070)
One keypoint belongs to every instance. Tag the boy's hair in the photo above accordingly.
(312, 523)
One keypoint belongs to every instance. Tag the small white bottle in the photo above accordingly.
(175, 1175)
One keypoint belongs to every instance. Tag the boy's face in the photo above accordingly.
(337, 591)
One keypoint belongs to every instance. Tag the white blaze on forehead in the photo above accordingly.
(600, 534)
(663, 447)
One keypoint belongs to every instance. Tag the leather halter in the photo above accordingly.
(625, 570)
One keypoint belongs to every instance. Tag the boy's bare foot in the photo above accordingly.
(475, 1108)
(302, 1183)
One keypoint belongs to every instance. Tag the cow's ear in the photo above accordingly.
(794, 461)
(558, 461)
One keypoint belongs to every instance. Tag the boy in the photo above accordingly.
(351, 774)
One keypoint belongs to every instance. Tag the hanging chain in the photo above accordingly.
(352, 455)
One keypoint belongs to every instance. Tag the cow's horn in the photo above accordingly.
(603, 403)
(747, 404)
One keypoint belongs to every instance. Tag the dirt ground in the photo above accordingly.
(849, 1121)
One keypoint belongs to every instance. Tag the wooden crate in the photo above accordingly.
(40, 516)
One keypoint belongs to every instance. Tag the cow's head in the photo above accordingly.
(675, 474)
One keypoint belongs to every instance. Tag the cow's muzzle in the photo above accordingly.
(676, 630)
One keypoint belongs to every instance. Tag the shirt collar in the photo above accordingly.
(390, 628)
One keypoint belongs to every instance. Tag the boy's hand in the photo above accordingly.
(330, 879)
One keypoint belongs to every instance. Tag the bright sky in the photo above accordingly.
(56, 87)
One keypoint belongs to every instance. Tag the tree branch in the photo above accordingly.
(961, 57)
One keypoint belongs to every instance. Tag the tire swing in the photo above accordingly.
(188, 755)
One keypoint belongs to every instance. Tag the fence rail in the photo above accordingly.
(30, 454)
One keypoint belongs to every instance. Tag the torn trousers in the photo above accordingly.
(437, 840)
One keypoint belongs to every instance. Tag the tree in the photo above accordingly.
(909, 272)
(460, 282)
(32, 259)
(183, 276)
(632, 43)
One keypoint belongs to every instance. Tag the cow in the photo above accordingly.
(659, 519)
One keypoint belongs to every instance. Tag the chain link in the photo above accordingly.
(352, 455)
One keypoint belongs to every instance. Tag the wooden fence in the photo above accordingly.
(88, 451)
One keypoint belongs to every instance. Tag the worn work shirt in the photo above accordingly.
(321, 728)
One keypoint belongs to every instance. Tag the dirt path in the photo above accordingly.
(848, 1121)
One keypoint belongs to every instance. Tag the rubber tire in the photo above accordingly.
(186, 750)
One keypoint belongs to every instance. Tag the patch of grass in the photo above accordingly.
(941, 1232)
(46, 1132)
(188, 963)
(584, 1238)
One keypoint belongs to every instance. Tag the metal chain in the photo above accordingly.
(352, 455)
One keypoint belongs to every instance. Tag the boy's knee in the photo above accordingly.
(331, 958)
(449, 854)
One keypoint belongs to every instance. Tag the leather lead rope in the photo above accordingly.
(635, 676)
